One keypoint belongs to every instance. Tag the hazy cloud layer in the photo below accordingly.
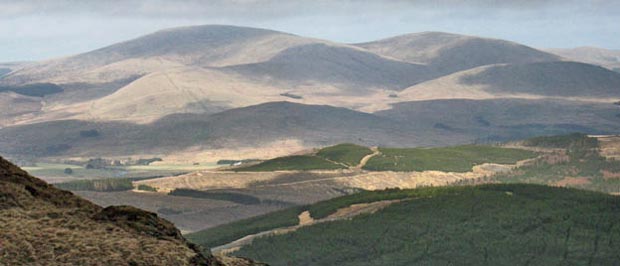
(37, 29)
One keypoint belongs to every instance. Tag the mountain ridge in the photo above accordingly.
(448, 53)
(128, 87)
(608, 58)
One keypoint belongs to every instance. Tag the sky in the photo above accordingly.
(44, 29)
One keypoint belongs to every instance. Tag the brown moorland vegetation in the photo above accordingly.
(43, 225)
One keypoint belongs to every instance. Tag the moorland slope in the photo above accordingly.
(43, 225)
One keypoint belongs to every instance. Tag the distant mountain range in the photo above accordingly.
(213, 86)
(592, 55)
(447, 53)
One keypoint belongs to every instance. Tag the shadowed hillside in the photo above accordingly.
(421, 123)
(34, 90)
(356, 69)
(505, 119)
(548, 79)
(564, 80)
(313, 124)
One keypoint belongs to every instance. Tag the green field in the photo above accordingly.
(349, 154)
(296, 162)
(448, 159)
(483, 225)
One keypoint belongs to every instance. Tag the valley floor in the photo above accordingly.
(209, 198)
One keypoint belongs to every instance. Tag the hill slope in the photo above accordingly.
(447, 53)
(504, 119)
(181, 90)
(42, 225)
(533, 80)
(317, 73)
(88, 77)
(549, 79)
(201, 68)
(591, 55)
(314, 125)
(490, 224)
(577, 161)
(354, 69)
(418, 123)
(208, 75)
(209, 45)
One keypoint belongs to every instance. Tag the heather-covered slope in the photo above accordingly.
(42, 225)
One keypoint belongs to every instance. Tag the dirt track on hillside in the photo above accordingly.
(364, 161)
(305, 219)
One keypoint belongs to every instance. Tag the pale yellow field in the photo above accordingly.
(213, 179)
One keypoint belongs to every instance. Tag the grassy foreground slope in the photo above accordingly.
(483, 225)
(349, 154)
(43, 225)
(449, 159)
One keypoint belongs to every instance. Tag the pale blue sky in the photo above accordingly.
(41, 29)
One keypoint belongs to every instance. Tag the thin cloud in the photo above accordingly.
(265, 8)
